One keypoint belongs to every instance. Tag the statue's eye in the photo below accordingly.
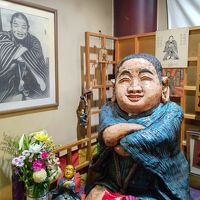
(124, 79)
(145, 78)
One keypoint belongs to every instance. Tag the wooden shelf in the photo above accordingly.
(100, 35)
(101, 86)
(184, 143)
(190, 87)
(106, 62)
(95, 111)
(97, 86)
(192, 59)
(189, 116)
(98, 78)
(93, 61)
(82, 165)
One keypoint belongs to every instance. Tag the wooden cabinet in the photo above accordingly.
(197, 96)
(135, 44)
(191, 116)
(99, 72)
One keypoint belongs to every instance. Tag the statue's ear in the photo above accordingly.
(113, 99)
(165, 89)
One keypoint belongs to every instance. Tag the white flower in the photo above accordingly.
(39, 176)
(26, 153)
(22, 158)
(55, 173)
(57, 161)
(35, 148)
(21, 142)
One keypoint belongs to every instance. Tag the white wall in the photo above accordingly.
(162, 15)
(183, 13)
(74, 18)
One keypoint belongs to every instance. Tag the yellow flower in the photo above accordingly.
(41, 136)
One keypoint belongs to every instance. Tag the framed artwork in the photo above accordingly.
(193, 151)
(176, 78)
(28, 57)
(172, 47)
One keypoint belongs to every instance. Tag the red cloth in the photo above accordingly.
(63, 160)
(108, 195)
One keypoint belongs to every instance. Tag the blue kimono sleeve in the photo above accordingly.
(158, 141)
(109, 116)
(157, 148)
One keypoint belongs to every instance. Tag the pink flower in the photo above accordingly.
(44, 155)
(38, 165)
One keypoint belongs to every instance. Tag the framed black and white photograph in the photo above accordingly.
(28, 57)
(193, 151)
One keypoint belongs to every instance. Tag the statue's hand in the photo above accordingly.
(120, 150)
(114, 133)
(66, 184)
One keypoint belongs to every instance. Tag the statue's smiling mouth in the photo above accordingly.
(134, 97)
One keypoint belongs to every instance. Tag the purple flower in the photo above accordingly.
(44, 155)
(22, 158)
(18, 161)
(38, 165)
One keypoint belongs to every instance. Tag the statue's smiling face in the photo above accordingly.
(137, 87)
(69, 171)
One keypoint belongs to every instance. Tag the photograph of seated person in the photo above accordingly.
(139, 138)
(23, 71)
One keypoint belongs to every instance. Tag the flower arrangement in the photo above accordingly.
(35, 163)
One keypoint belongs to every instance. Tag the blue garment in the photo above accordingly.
(65, 193)
(160, 170)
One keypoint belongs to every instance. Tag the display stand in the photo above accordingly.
(197, 96)
(98, 80)
(97, 87)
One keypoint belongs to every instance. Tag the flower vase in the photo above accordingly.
(39, 195)
(18, 191)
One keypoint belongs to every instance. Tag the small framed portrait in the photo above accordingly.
(103, 54)
(28, 57)
(193, 155)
